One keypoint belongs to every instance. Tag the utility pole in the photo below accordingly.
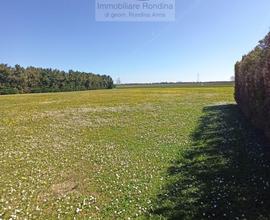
(118, 81)
(198, 78)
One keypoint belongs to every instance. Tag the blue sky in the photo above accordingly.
(208, 37)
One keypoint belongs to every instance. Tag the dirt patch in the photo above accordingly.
(64, 188)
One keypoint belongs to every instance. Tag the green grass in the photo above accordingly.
(128, 153)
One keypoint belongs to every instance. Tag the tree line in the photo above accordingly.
(18, 79)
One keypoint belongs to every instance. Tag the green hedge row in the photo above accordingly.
(6, 91)
(252, 85)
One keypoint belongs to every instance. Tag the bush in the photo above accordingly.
(252, 85)
(6, 91)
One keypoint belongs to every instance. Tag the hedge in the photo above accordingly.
(252, 85)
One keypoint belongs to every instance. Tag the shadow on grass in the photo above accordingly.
(224, 175)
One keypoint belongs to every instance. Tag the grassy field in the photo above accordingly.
(177, 85)
(147, 153)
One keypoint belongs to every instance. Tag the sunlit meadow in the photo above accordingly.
(95, 154)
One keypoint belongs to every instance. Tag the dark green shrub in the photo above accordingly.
(252, 85)
(7, 91)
